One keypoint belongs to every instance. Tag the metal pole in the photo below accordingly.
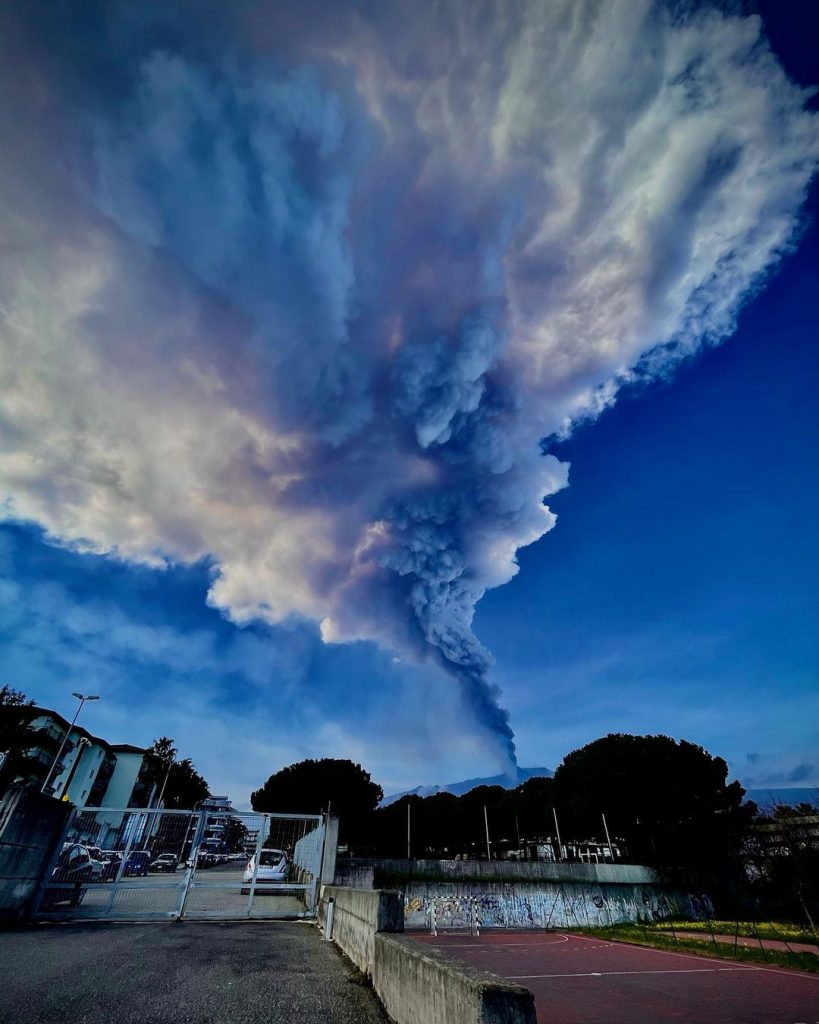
(187, 883)
(409, 856)
(486, 822)
(56, 760)
(318, 882)
(608, 837)
(164, 784)
(557, 830)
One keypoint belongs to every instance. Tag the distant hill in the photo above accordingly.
(459, 788)
(768, 798)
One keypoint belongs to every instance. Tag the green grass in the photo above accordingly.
(648, 935)
(749, 929)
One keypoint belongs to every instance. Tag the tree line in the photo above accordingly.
(667, 804)
(664, 800)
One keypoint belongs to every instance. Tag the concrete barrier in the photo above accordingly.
(30, 827)
(359, 915)
(417, 985)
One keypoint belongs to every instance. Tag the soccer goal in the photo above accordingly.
(454, 913)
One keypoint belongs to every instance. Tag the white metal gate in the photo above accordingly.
(134, 864)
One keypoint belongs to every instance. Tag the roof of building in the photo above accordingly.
(32, 711)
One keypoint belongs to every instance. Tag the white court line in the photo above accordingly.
(605, 974)
(500, 945)
(705, 959)
(665, 952)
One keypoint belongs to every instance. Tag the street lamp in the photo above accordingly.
(82, 701)
(165, 783)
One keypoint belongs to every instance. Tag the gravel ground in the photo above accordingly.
(179, 973)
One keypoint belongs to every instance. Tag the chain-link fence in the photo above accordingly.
(160, 863)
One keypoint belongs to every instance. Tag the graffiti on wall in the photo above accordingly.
(546, 906)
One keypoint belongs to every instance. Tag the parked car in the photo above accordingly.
(165, 862)
(273, 867)
(97, 863)
(111, 861)
(137, 863)
(74, 864)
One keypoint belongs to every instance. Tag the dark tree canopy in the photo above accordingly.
(16, 736)
(185, 787)
(308, 787)
(445, 825)
(782, 857)
(670, 800)
(178, 782)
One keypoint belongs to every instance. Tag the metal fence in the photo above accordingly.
(137, 864)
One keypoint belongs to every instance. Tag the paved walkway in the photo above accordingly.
(746, 940)
(179, 973)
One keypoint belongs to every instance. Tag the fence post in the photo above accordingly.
(197, 840)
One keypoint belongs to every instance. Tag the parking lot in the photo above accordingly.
(215, 891)
(179, 973)
(581, 980)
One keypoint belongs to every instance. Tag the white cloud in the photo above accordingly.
(240, 309)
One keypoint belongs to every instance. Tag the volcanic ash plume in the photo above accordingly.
(300, 290)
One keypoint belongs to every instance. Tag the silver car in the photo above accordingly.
(273, 867)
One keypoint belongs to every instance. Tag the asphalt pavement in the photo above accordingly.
(184, 972)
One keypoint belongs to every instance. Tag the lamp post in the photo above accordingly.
(165, 783)
(54, 764)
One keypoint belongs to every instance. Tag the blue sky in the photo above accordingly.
(290, 303)
(679, 591)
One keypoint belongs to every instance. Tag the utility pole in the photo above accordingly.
(165, 782)
(486, 823)
(408, 830)
(557, 830)
(608, 837)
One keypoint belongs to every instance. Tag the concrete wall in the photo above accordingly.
(528, 894)
(328, 864)
(394, 873)
(415, 984)
(30, 827)
(358, 915)
(544, 905)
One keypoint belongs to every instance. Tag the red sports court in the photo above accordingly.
(577, 979)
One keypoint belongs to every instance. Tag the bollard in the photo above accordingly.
(328, 924)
